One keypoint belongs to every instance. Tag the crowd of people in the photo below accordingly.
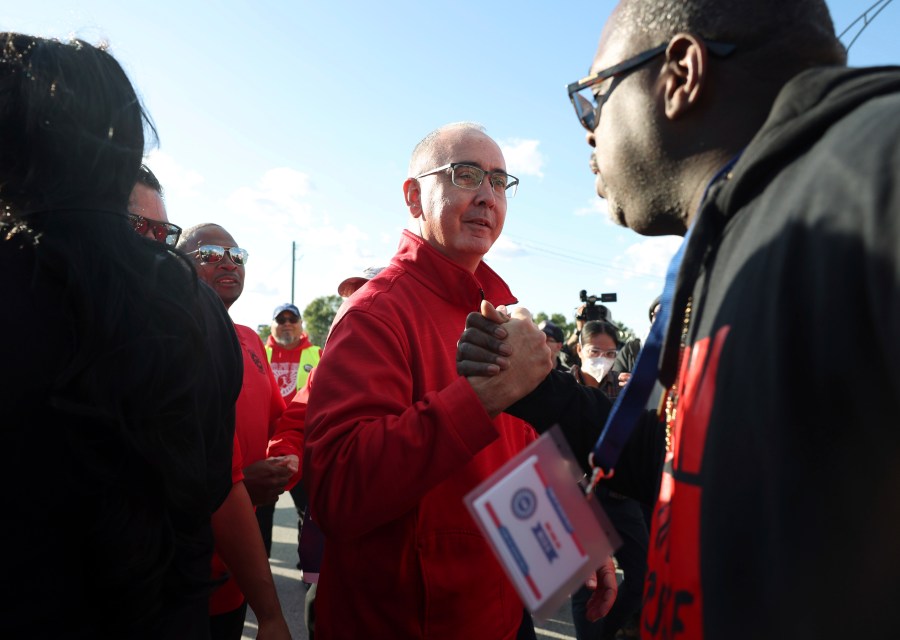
(749, 471)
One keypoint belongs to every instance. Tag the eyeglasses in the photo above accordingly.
(165, 232)
(290, 319)
(467, 176)
(594, 352)
(589, 94)
(212, 253)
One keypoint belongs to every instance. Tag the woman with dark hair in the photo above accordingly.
(113, 405)
(597, 347)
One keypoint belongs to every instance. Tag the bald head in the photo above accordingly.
(192, 235)
(461, 222)
(432, 149)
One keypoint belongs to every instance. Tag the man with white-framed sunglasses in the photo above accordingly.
(220, 264)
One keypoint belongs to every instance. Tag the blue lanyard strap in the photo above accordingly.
(632, 401)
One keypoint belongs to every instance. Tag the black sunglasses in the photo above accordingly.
(588, 108)
(290, 319)
(212, 253)
(164, 232)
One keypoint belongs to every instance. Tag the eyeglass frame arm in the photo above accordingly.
(718, 49)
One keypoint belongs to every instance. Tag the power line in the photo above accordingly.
(878, 7)
(573, 257)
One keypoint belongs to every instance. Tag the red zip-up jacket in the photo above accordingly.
(394, 440)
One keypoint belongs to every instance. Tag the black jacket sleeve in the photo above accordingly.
(638, 471)
(581, 413)
(626, 357)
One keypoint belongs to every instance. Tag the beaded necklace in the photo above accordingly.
(670, 399)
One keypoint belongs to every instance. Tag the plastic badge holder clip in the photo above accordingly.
(547, 536)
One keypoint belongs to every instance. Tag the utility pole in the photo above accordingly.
(293, 267)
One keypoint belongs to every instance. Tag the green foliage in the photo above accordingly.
(264, 332)
(625, 333)
(318, 316)
(568, 328)
(559, 320)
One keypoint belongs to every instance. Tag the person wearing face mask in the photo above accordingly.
(598, 347)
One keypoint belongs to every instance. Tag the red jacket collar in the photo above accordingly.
(446, 278)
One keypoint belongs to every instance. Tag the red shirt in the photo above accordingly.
(257, 409)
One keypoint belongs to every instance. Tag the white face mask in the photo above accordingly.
(597, 367)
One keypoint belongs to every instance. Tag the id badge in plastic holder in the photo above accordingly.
(547, 535)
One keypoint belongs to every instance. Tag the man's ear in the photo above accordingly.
(685, 74)
(413, 196)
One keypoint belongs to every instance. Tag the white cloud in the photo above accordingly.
(347, 239)
(276, 202)
(279, 214)
(262, 289)
(505, 248)
(286, 182)
(284, 206)
(595, 207)
(523, 158)
(650, 256)
(177, 182)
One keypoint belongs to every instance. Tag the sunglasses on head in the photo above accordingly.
(164, 232)
(212, 253)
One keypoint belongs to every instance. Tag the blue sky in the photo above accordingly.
(294, 121)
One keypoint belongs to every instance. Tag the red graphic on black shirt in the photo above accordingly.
(673, 596)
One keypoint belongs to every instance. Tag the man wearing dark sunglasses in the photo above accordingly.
(147, 210)
(292, 357)
(737, 124)
(291, 354)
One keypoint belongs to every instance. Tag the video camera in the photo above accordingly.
(592, 310)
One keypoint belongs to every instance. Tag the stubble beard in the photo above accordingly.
(286, 341)
(653, 208)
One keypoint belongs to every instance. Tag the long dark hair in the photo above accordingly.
(124, 386)
(598, 327)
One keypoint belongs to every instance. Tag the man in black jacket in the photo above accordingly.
(739, 122)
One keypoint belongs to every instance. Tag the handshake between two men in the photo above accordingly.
(505, 358)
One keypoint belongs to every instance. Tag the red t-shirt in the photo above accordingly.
(256, 411)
